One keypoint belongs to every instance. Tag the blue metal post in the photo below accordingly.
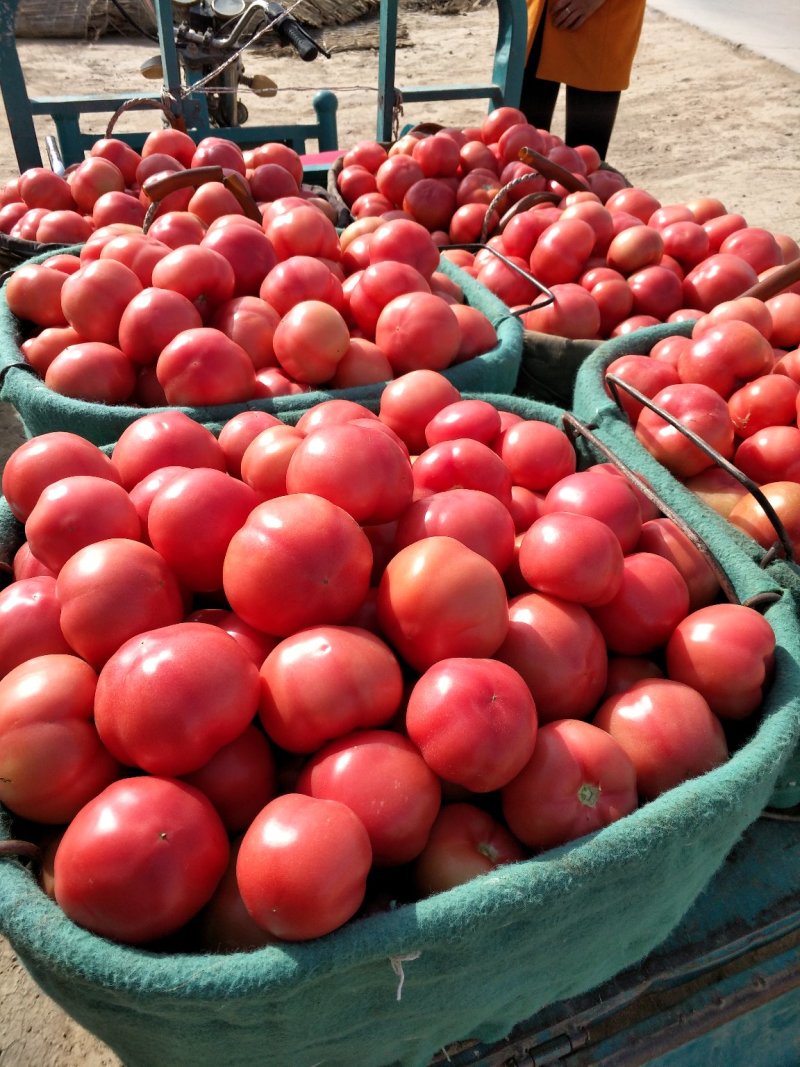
(15, 94)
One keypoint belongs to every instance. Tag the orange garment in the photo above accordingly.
(599, 55)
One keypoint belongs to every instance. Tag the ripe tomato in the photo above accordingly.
(201, 274)
(409, 402)
(668, 731)
(92, 370)
(298, 561)
(578, 780)
(667, 539)
(696, 407)
(33, 293)
(474, 721)
(201, 366)
(151, 320)
(112, 590)
(727, 653)
(169, 698)
(462, 463)
(381, 776)
(51, 759)
(784, 498)
(588, 492)
(303, 865)
(572, 556)
(299, 278)
(140, 859)
(438, 599)
(94, 298)
(465, 841)
(168, 438)
(325, 681)
(417, 330)
(310, 340)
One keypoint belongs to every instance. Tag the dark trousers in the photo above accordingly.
(590, 115)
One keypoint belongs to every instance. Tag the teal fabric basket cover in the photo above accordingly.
(593, 405)
(396, 987)
(42, 410)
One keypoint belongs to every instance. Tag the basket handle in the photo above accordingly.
(157, 187)
(553, 171)
(776, 282)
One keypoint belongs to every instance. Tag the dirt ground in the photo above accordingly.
(702, 117)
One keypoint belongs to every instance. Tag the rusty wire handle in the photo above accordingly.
(553, 171)
(158, 186)
(25, 850)
(496, 208)
(752, 487)
(776, 282)
(548, 295)
(574, 427)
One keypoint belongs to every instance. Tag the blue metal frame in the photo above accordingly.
(509, 64)
(66, 111)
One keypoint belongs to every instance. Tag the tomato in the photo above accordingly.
(300, 278)
(266, 459)
(572, 556)
(239, 779)
(303, 865)
(112, 590)
(33, 293)
(720, 276)
(176, 227)
(727, 653)
(562, 251)
(46, 458)
(93, 371)
(549, 639)
(438, 599)
(324, 682)
(168, 699)
(256, 644)
(93, 177)
(698, 408)
(382, 777)
(310, 340)
(474, 721)
(164, 439)
(303, 231)
(201, 366)
(200, 273)
(298, 561)
(465, 841)
(784, 499)
(652, 599)
(635, 248)
(224, 924)
(94, 298)
(462, 463)
(578, 780)
(362, 364)
(665, 538)
(646, 375)
(178, 529)
(476, 519)
(240, 431)
(405, 241)
(784, 311)
(135, 251)
(140, 859)
(29, 621)
(615, 504)
(725, 356)
(76, 511)
(417, 330)
(356, 467)
(668, 731)
(408, 403)
(52, 761)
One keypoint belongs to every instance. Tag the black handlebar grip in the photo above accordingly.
(292, 33)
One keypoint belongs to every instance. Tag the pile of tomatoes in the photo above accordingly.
(254, 685)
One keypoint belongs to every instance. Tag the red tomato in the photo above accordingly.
(589, 493)
(77, 511)
(356, 467)
(163, 439)
(238, 432)
(784, 499)
(303, 231)
(256, 644)
(476, 519)
(51, 759)
(251, 323)
(770, 455)
(218, 151)
(381, 776)
(298, 561)
(409, 402)
(405, 241)
(33, 293)
(652, 599)
(310, 340)
(324, 682)
(635, 248)
(177, 227)
(362, 364)
(136, 251)
(668, 731)
(151, 320)
(647, 376)
(29, 620)
(44, 459)
(561, 253)
(727, 653)
(417, 330)
(665, 538)
(725, 356)
(201, 366)
(376, 285)
(140, 859)
(178, 529)
(698, 408)
(536, 454)
(462, 463)
(578, 780)
(303, 865)
(549, 639)
(224, 924)
(266, 460)
(720, 276)
(93, 371)
(438, 599)
(94, 298)
(239, 779)
(168, 699)
(465, 841)
(248, 251)
(93, 177)
(112, 590)
(201, 274)
(300, 278)
(474, 721)
(572, 556)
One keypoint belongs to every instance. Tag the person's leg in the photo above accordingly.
(590, 118)
(538, 97)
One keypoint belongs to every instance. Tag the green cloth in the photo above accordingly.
(743, 559)
(42, 410)
(395, 987)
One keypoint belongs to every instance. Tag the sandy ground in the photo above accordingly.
(702, 117)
